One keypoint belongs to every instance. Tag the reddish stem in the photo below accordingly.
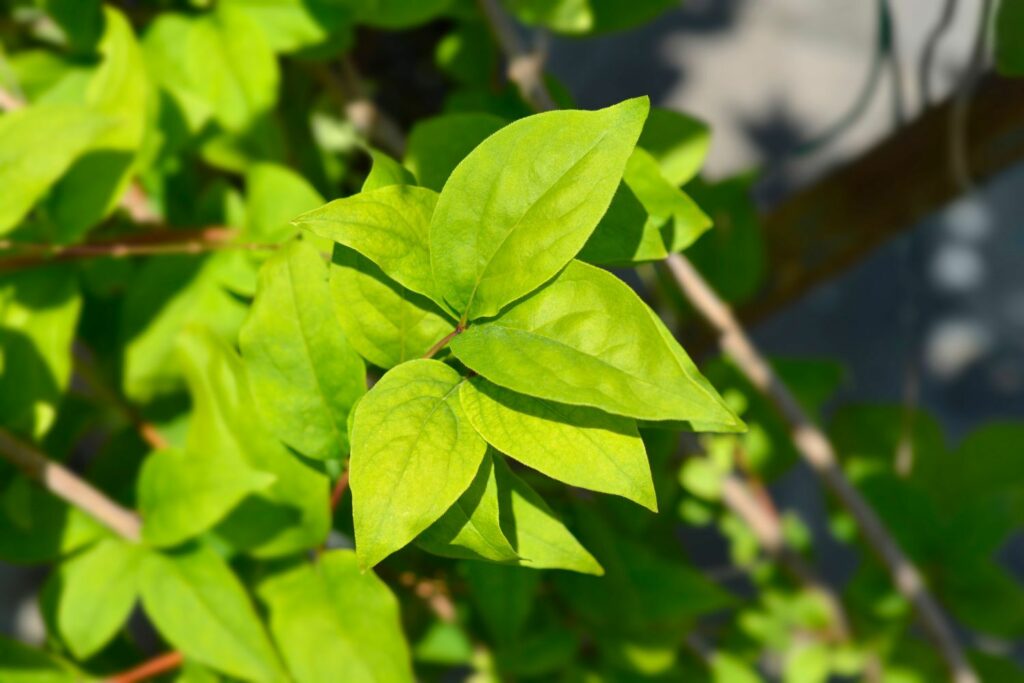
(154, 667)
(444, 341)
(338, 492)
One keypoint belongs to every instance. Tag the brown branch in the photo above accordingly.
(525, 67)
(68, 486)
(164, 241)
(338, 492)
(809, 440)
(444, 341)
(816, 449)
(154, 667)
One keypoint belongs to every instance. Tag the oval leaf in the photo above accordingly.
(413, 455)
(524, 202)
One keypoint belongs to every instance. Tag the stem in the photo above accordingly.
(154, 667)
(338, 492)
(68, 486)
(443, 342)
(163, 241)
(809, 440)
(816, 449)
(525, 67)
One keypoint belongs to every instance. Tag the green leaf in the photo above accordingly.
(182, 494)
(681, 220)
(386, 171)
(616, 15)
(304, 375)
(36, 527)
(274, 196)
(524, 202)
(38, 315)
(292, 25)
(1009, 37)
(504, 597)
(21, 664)
(97, 592)
(413, 455)
(471, 529)
(335, 622)
(37, 146)
(290, 515)
(389, 226)
(563, 16)
(385, 322)
(626, 235)
(541, 540)
(120, 90)
(398, 14)
(167, 295)
(588, 339)
(437, 145)
(196, 602)
(577, 445)
(678, 142)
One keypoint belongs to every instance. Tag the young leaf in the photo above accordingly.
(385, 172)
(37, 146)
(39, 311)
(304, 375)
(181, 494)
(413, 455)
(274, 195)
(389, 226)
(588, 339)
(541, 540)
(471, 529)
(385, 322)
(21, 664)
(524, 202)
(437, 145)
(293, 513)
(97, 592)
(681, 219)
(578, 445)
(563, 16)
(626, 235)
(292, 25)
(196, 602)
(334, 622)
(678, 142)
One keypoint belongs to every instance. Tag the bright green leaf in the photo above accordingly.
(293, 513)
(681, 220)
(564, 16)
(524, 202)
(37, 146)
(304, 375)
(97, 592)
(21, 664)
(437, 145)
(274, 196)
(292, 25)
(588, 339)
(386, 171)
(181, 494)
(574, 444)
(202, 609)
(389, 226)
(385, 322)
(334, 622)
(678, 142)
(471, 529)
(626, 235)
(413, 455)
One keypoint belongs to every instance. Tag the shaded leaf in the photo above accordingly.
(437, 145)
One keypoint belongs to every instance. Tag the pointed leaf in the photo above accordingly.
(385, 322)
(541, 540)
(201, 608)
(182, 494)
(97, 592)
(471, 529)
(679, 142)
(385, 172)
(626, 234)
(413, 455)
(681, 220)
(334, 622)
(524, 202)
(587, 339)
(389, 226)
(274, 196)
(578, 445)
(304, 375)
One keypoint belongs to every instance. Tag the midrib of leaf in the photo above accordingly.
(309, 354)
(515, 226)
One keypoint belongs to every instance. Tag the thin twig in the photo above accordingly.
(444, 341)
(816, 449)
(960, 113)
(366, 117)
(931, 46)
(154, 667)
(68, 486)
(525, 67)
(338, 492)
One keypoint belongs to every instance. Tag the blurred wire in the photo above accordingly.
(959, 163)
(931, 45)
